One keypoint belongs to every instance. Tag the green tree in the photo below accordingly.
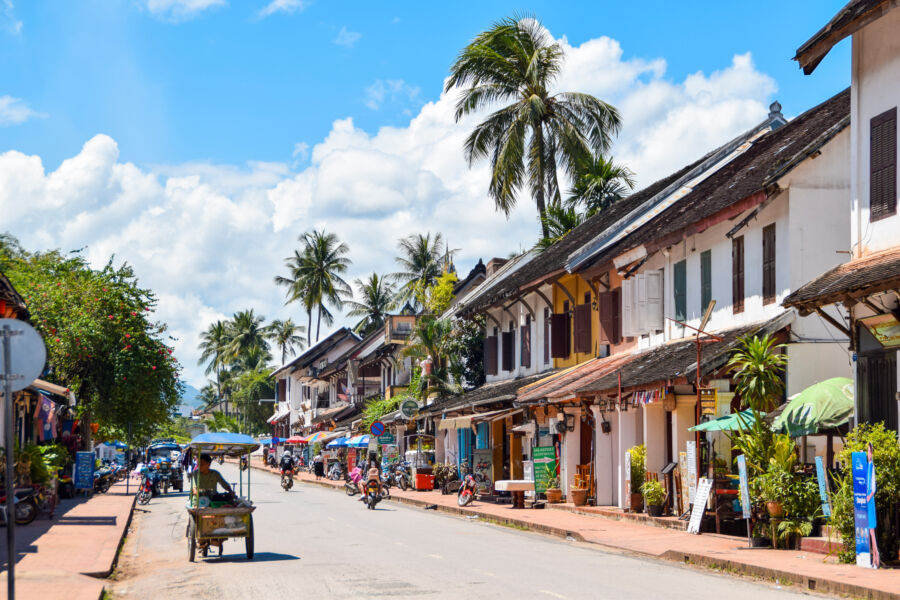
(599, 183)
(422, 260)
(516, 63)
(466, 345)
(440, 295)
(246, 333)
(296, 289)
(323, 262)
(213, 348)
(222, 423)
(376, 301)
(757, 366)
(558, 221)
(287, 336)
(431, 342)
(251, 386)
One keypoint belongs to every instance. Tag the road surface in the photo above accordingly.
(318, 543)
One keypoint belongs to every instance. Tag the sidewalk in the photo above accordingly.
(68, 556)
(791, 567)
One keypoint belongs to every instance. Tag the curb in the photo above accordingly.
(119, 545)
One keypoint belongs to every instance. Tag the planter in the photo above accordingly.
(655, 510)
(760, 542)
(775, 509)
(554, 495)
(791, 541)
(637, 502)
(579, 496)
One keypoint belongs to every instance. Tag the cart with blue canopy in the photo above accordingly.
(212, 520)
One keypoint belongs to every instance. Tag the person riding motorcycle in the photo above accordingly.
(373, 474)
(287, 463)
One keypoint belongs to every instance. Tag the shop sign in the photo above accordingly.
(84, 471)
(692, 470)
(823, 487)
(409, 408)
(709, 399)
(544, 467)
(481, 461)
(863, 506)
(386, 438)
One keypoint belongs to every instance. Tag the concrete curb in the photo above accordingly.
(115, 559)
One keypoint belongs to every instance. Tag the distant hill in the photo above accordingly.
(190, 400)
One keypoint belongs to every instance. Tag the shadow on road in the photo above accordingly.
(258, 557)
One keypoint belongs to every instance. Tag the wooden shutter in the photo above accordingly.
(609, 317)
(705, 280)
(653, 304)
(509, 351)
(490, 355)
(628, 328)
(525, 336)
(546, 336)
(559, 335)
(679, 283)
(583, 328)
(737, 274)
(768, 274)
(883, 165)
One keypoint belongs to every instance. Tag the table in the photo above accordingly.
(517, 487)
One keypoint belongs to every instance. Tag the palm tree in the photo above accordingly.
(321, 266)
(377, 300)
(598, 184)
(431, 340)
(558, 222)
(422, 260)
(209, 396)
(220, 422)
(296, 290)
(287, 336)
(212, 349)
(246, 334)
(254, 358)
(517, 61)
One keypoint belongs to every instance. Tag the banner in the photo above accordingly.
(692, 469)
(745, 488)
(823, 487)
(863, 506)
(543, 456)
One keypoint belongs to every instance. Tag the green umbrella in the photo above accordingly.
(731, 422)
(824, 405)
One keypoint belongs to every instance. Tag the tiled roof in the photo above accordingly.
(564, 384)
(317, 350)
(327, 414)
(678, 358)
(490, 392)
(769, 158)
(867, 275)
(855, 15)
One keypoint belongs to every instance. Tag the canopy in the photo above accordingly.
(320, 437)
(359, 441)
(231, 444)
(732, 422)
(295, 439)
(265, 441)
(341, 442)
(824, 405)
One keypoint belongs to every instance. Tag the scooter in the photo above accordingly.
(146, 490)
(25, 504)
(351, 481)
(373, 494)
(102, 480)
(336, 472)
(402, 477)
(467, 491)
(287, 479)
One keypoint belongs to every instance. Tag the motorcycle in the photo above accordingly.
(146, 490)
(287, 479)
(351, 481)
(25, 505)
(102, 480)
(336, 472)
(373, 494)
(467, 491)
(402, 477)
(66, 487)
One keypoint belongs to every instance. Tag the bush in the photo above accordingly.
(653, 492)
(638, 467)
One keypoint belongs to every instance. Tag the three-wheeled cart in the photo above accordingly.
(208, 524)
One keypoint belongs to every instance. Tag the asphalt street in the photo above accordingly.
(318, 543)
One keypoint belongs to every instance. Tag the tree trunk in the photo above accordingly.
(309, 328)
(539, 192)
(318, 322)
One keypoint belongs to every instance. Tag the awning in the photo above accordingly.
(359, 441)
(467, 421)
(732, 422)
(281, 414)
(455, 423)
(52, 388)
(495, 414)
(820, 407)
(323, 437)
(329, 414)
(564, 385)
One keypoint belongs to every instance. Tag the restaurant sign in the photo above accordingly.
(544, 467)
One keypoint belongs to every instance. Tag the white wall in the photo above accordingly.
(655, 436)
(519, 312)
(876, 88)
(606, 462)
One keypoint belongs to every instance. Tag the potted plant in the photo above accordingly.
(773, 488)
(553, 491)
(579, 492)
(654, 495)
(791, 530)
(638, 471)
(760, 536)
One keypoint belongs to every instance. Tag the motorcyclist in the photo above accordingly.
(373, 474)
(287, 463)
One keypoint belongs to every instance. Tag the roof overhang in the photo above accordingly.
(52, 388)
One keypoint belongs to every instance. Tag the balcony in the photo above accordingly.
(398, 328)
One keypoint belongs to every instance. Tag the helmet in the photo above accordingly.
(287, 453)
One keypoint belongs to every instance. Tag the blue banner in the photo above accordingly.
(84, 471)
(823, 493)
(745, 488)
(861, 485)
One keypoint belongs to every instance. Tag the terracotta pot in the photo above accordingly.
(554, 495)
(655, 510)
(579, 496)
(637, 502)
(775, 509)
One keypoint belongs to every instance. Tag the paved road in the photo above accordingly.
(318, 543)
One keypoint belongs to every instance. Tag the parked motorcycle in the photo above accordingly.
(467, 491)
(25, 505)
(402, 476)
(336, 472)
(145, 492)
(102, 480)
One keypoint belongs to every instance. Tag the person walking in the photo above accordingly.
(319, 466)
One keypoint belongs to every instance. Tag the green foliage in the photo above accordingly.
(466, 346)
(220, 422)
(886, 456)
(422, 259)
(440, 295)
(599, 183)
(756, 367)
(638, 467)
(431, 340)
(551, 476)
(287, 336)
(99, 338)
(379, 406)
(376, 301)
(653, 492)
(793, 527)
(557, 221)
(771, 486)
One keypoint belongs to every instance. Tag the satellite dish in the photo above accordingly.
(26, 352)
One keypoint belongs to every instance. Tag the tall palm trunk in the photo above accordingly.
(309, 328)
(318, 322)
(539, 190)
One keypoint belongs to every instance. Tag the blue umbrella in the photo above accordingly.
(359, 441)
(341, 442)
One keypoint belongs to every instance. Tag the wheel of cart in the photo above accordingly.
(191, 538)
(248, 541)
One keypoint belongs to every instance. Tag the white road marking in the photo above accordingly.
(435, 556)
(554, 594)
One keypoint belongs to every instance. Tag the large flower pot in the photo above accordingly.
(775, 509)
(637, 502)
(554, 495)
(760, 542)
(655, 510)
(579, 496)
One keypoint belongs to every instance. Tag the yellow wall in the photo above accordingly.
(578, 287)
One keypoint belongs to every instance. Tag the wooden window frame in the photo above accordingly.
(737, 274)
(679, 277)
(769, 287)
(705, 279)
(883, 165)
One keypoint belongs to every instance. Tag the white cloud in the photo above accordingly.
(14, 111)
(285, 6)
(180, 10)
(346, 38)
(210, 238)
(8, 18)
(389, 90)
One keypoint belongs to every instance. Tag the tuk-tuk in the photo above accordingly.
(211, 520)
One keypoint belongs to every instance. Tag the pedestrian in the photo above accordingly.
(319, 466)
(265, 455)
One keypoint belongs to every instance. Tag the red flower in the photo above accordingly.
(153, 367)
(127, 335)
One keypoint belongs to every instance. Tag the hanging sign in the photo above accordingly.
(700, 500)
(409, 408)
(709, 399)
(745, 488)
(823, 489)
(863, 506)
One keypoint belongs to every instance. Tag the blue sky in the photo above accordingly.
(227, 85)
(196, 139)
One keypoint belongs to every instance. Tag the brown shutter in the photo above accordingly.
(583, 328)
(610, 332)
(559, 335)
(490, 355)
(883, 165)
(769, 264)
(509, 353)
(737, 274)
(525, 351)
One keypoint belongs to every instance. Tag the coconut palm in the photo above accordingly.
(558, 222)
(246, 333)
(287, 336)
(376, 301)
(322, 264)
(220, 422)
(254, 358)
(213, 344)
(432, 341)
(422, 260)
(599, 183)
(516, 62)
(296, 290)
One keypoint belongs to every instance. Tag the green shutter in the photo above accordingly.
(680, 282)
(705, 280)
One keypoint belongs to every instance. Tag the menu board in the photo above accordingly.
(544, 459)
(84, 471)
(700, 500)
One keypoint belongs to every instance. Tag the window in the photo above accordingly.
(582, 322)
(546, 336)
(737, 274)
(490, 354)
(508, 340)
(567, 310)
(883, 165)
(609, 317)
(559, 344)
(525, 350)
(642, 308)
(705, 280)
(679, 280)
(768, 266)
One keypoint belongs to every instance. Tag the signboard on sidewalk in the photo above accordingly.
(823, 487)
(84, 471)
(745, 488)
(692, 470)
(863, 507)
(700, 500)
(544, 467)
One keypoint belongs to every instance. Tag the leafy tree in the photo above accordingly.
(466, 344)
(287, 336)
(222, 423)
(440, 295)
(322, 264)
(422, 259)
(100, 340)
(213, 348)
(246, 333)
(252, 385)
(598, 183)
(756, 367)
(515, 63)
(376, 301)
(430, 342)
